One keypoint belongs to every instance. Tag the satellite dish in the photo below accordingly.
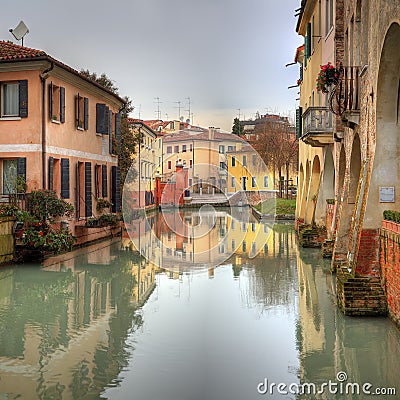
(20, 31)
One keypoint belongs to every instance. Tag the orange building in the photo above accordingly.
(58, 129)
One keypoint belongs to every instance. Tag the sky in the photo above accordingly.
(224, 55)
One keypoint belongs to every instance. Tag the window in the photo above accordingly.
(254, 160)
(222, 149)
(265, 181)
(244, 161)
(9, 176)
(82, 112)
(13, 169)
(233, 244)
(221, 165)
(231, 148)
(253, 182)
(169, 165)
(14, 99)
(244, 246)
(176, 149)
(233, 181)
(169, 150)
(328, 16)
(56, 103)
(102, 119)
(184, 148)
(190, 182)
(191, 147)
(10, 97)
(190, 163)
(233, 161)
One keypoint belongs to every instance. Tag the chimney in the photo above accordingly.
(211, 131)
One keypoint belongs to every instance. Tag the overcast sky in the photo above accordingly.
(223, 54)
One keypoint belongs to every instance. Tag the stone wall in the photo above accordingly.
(359, 295)
(6, 239)
(390, 264)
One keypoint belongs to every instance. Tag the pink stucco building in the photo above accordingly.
(58, 129)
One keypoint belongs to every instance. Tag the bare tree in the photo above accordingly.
(275, 141)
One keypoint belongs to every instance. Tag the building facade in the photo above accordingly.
(364, 166)
(59, 131)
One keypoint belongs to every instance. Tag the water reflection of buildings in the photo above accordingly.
(328, 342)
(63, 327)
(198, 239)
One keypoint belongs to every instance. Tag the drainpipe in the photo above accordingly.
(43, 77)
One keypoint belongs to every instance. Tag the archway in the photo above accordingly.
(386, 166)
(355, 168)
(313, 190)
(327, 192)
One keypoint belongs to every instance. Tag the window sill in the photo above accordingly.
(10, 119)
(99, 134)
(54, 121)
(79, 128)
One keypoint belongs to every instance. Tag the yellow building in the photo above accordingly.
(247, 171)
(147, 163)
(204, 152)
(314, 125)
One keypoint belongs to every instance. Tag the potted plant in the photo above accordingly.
(328, 75)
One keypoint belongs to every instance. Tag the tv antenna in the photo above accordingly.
(179, 108)
(158, 102)
(188, 110)
(20, 31)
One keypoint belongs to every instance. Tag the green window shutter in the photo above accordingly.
(23, 98)
(51, 100)
(62, 104)
(115, 189)
(88, 189)
(21, 166)
(299, 122)
(104, 181)
(65, 178)
(101, 119)
(51, 173)
(86, 113)
(308, 40)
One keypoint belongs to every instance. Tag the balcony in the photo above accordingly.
(344, 99)
(317, 126)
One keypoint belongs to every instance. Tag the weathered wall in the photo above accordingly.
(6, 239)
(390, 264)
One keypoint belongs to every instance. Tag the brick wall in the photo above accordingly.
(390, 264)
(368, 253)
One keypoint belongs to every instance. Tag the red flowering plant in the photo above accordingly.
(328, 75)
(44, 208)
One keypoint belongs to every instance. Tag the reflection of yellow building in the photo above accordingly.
(247, 171)
(144, 274)
(176, 241)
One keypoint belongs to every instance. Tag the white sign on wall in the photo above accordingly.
(386, 194)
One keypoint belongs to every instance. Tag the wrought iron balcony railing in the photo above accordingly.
(345, 94)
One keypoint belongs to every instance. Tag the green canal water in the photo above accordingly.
(104, 322)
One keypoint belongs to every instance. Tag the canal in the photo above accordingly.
(218, 306)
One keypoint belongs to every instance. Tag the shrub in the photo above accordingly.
(102, 204)
(390, 215)
(45, 205)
